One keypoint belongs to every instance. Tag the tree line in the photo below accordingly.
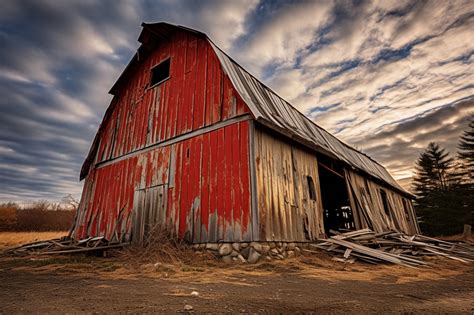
(39, 216)
(444, 186)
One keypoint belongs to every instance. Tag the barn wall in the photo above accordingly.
(198, 94)
(285, 210)
(367, 200)
(199, 188)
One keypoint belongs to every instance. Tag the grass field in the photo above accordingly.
(10, 239)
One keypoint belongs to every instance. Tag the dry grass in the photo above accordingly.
(11, 239)
(164, 254)
(163, 257)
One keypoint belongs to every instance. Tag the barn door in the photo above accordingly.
(149, 212)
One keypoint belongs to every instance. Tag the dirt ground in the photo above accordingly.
(307, 284)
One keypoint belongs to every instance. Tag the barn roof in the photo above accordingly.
(270, 109)
(273, 111)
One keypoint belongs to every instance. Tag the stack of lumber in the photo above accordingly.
(393, 247)
(63, 245)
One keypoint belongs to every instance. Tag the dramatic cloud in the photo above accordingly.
(386, 76)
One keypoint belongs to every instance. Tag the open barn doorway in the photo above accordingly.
(337, 212)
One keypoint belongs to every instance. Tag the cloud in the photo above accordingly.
(377, 65)
(398, 146)
(284, 31)
(222, 20)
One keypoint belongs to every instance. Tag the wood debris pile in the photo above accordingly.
(393, 247)
(64, 245)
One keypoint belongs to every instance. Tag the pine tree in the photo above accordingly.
(440, 205)
(466, 155)
(423, 181)
(432, 171)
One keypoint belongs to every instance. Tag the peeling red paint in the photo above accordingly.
(209, 198)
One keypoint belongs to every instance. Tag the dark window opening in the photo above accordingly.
(311, 188)
(383, 194)
(160, 72)
(337, 212)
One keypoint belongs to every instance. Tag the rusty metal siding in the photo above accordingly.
(286, 212)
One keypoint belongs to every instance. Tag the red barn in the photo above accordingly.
(194, 143)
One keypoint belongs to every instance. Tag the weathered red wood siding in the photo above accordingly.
(206, 177)
(210, 197)
(207, 180)
(198, 94)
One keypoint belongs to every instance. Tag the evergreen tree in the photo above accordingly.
(432, 171)
(466, 155)
(465, 169)
(441, 206)
(444, 190)
(423, 181)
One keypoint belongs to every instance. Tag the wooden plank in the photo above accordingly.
(228, 109)
(227, 173)
(175, 195)
(202, 76)
(218, 87)
(221, 181)
(272, 151)
(185, 205)
(210, 90)
(378, 254)
(213, 187)
(191, 53)
(282, 234)
(205, 187)
(248, 183)
(298, 200)
(236, 185)
(163, 112)
(195, 185)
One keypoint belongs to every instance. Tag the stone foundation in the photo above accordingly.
(252, 252)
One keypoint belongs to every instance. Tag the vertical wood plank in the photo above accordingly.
(205, 187)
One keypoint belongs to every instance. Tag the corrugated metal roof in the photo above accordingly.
(275, 112)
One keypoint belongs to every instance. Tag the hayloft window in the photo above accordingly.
(160, 72)
(311, 188)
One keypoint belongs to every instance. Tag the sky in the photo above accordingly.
(385, 76)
